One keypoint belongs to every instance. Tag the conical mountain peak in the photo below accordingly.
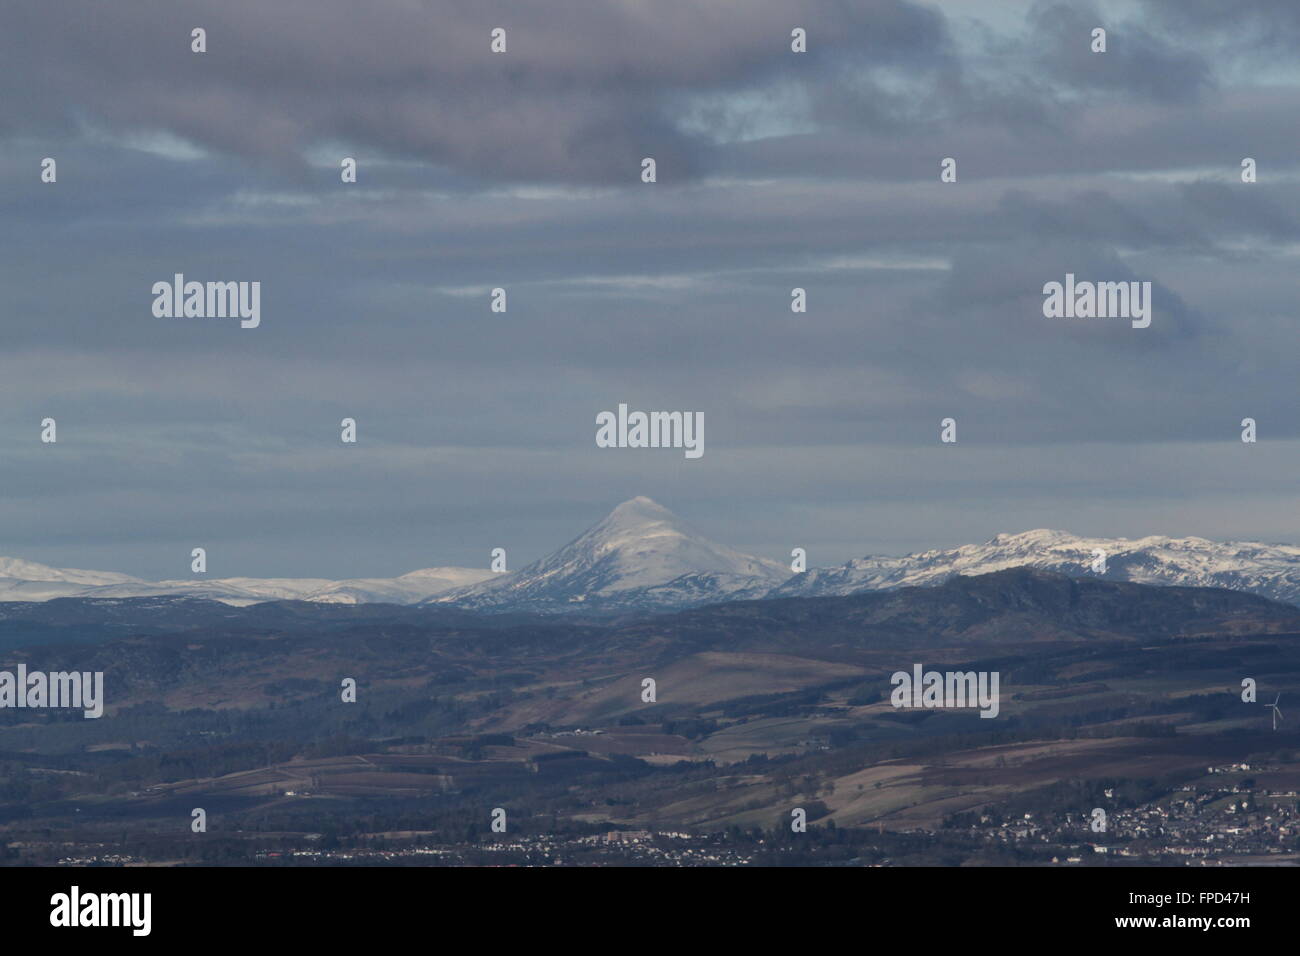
(639, 545)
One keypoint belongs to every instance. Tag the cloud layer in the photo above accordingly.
(521, 170)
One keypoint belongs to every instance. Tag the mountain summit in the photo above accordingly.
(640, 555)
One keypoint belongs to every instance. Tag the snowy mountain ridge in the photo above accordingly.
(641, 556)
(1270, 570)
(28, 581)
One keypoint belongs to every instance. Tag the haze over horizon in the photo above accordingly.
(775, 171)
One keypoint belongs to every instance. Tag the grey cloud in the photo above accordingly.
(476, 429)
(1136, 62)
(583, 93)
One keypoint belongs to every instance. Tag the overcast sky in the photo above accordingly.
(522, 170)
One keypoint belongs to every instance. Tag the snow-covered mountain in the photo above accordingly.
(640, 555)
(1269, 570)
(29, 581)
(643, 557)
(410, 588)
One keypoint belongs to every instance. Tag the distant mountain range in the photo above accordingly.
(1269, 570)
(642, 557)
(1016, 607)
(28, 581)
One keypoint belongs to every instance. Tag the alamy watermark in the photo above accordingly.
(651, 430)
(933, 689)
(1098, 300)
(75, 689)
(75, 908)
(208, 300)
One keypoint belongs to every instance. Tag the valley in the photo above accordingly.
(1111, 695)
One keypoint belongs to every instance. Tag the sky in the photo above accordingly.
(522, 170)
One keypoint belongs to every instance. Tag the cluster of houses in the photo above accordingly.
(1229, 821)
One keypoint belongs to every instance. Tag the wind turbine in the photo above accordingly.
(1277, 714)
